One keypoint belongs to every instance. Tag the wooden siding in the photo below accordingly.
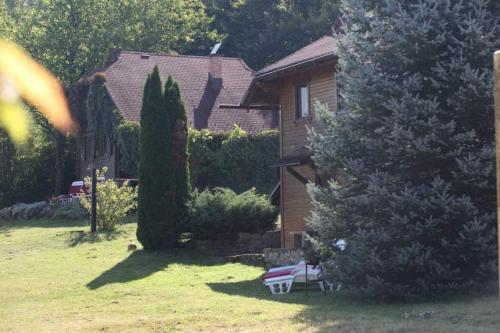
(295, 202)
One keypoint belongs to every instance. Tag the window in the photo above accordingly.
(297, 240)
(302, 101)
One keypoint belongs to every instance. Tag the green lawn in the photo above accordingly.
(55, 278)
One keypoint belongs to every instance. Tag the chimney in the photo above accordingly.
(215, 67)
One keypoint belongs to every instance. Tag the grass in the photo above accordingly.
(55, 277)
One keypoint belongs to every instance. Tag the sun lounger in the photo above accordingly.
(280, 281)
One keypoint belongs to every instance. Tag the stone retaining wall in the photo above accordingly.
(245, 243)
(23, 211)
(282, 257)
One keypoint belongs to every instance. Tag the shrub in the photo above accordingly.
(113, 201)
(71, 212)
(221, 213)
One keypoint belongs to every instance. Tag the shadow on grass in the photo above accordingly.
(78, 237)
(325, 312)
(140, 264)
(255, 289)
(337, 312)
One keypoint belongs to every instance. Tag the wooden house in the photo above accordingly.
(293, 85)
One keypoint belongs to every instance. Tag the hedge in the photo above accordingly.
(234, 160)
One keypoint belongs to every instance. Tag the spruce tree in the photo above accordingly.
(411, 164)
(156, 223)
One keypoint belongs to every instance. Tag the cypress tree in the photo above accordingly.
(155, 223)
(179, 131)
(412, 188)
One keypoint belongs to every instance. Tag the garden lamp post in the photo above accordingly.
(93, 213)
(497, 130)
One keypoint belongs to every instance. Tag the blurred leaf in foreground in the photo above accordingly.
(22, 77)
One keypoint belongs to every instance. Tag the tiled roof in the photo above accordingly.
(125, 79)
(325, 46)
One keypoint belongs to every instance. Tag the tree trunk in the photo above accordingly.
(497, 126)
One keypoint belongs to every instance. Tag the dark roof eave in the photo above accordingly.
(282, 71)
(279, 71)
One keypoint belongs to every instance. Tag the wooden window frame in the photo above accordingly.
(298, 101)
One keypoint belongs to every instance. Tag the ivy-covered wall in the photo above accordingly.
(99, 119)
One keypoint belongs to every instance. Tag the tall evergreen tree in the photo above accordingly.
(156, 227)
(412, 188)
(180, 155)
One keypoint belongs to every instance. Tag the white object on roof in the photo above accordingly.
(216, 48)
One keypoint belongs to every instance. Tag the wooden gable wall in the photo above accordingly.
(295, 203)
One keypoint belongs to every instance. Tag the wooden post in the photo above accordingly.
(497, 130)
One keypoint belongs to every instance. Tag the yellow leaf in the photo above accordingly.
(15, 119)
(37, 85)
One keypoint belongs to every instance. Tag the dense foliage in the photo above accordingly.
(413, 187)
(234, 160)
(222, 213)
(114, 202)
(264, 31)
(26, 172)
(73, 37)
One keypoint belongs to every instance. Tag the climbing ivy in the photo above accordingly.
(127, 138)
(104, 118)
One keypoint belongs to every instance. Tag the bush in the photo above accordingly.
(222, 214)
(71, 212)
(113, 202)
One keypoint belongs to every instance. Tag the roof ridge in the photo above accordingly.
(295, 52)
(179, 55)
